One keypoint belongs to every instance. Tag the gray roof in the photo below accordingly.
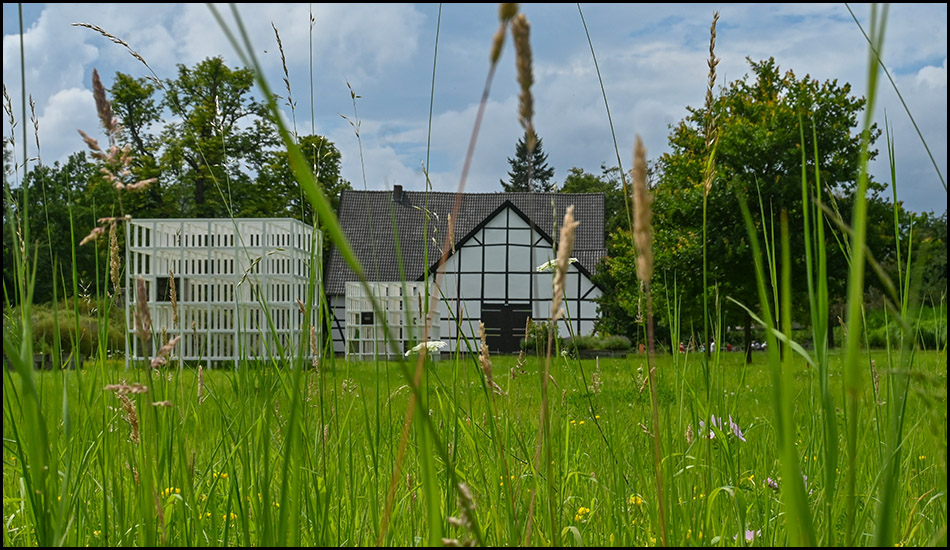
(367, 219)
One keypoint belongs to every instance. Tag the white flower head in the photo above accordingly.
(429, 347)
(551, 264)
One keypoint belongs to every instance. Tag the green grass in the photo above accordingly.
(228, 455)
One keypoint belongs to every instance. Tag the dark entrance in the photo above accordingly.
(504, 326)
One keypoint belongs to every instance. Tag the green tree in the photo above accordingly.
(529, 171)
(221, 135)
(324, 160)
(221, 156)
(620, 306)
(608, 183)
(56, 193)
(759, 155)
(930, 241)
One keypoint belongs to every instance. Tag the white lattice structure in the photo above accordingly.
(401, 304)
(237, 283)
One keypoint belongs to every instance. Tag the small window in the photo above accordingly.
(163, 291)
(366, 318)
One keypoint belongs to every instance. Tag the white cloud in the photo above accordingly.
(652, 59)
(68, 110)
(933, 77)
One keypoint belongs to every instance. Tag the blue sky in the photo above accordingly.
(652, 58)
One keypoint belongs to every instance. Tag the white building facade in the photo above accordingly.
(489, 274)
(233, 289)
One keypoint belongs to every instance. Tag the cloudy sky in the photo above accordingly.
(652, 59)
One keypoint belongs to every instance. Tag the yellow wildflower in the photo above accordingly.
(582, 514)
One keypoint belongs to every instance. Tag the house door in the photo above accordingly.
(504, 326)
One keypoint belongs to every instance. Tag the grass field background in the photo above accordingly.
(218, 462)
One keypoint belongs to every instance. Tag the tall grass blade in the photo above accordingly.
(854, 309)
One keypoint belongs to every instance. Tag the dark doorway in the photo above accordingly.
(504, 326)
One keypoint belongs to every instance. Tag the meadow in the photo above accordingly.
(803, 446)
(269, 456)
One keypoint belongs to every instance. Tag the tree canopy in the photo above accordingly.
(529, 170)
(608, 183)
(764, 122)
(210, 146)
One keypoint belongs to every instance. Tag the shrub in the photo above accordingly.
(602, 342)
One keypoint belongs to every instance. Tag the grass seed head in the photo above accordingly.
(643, 224)
(173, 292)
(115, 263)
(103, 106)
(143, 316)
(520, 34)
(564, 248)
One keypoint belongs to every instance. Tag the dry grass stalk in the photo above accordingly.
(520, 34)
(315, 361)
(642, 225)
(125, 387)
(160, 359)
(143, 316)
(451, 237)
(201, 384)
(131, 416)
(116, 168)
(466, 519)
(283, 61)
(875, 378)
(597, 382)
(564, 248)
(173, 292)
(8, 108)
(505, 13)
(114, 263)
(36, 129)
(485, 361)
(117, 161)
(519, 364)
(103, 106)
(135, 473)
(93, 235)
(101, 230)
(122, 43)
(643, 237)
(712, 132)
(412, 491)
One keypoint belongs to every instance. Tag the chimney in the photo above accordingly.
(397, 193)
